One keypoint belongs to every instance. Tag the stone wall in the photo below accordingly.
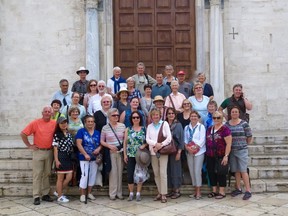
(257, 58)
(41, 43)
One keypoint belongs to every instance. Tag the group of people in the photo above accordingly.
(121, 123)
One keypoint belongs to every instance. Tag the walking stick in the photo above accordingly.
(86, 195)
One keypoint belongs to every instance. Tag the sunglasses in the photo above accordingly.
(186, 104)
(101, 86)
(115, 115)
(171, 113)
(93, 85)
(106, 101)
(198, 88)
(135, 117)
(217, 117)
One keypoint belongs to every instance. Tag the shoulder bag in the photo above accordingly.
(120, 147)
(168, 149)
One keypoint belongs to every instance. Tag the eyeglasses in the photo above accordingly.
(105, 101)
(115, 115)
(93, 85)
(100, 86)
(198, 88)
(135, 117)
(171, 113)
(218, 117)
(186, 104)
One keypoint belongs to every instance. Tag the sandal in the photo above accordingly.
(220, 196)
(158, 197)
(170, 194)
(212, 194)
(163, 199)
(176, 195)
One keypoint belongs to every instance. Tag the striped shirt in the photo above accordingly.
(109, 137)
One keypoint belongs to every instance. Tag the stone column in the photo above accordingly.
(216, 51)
(92, 39)
(200, 35)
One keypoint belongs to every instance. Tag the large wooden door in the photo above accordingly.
(156, 32)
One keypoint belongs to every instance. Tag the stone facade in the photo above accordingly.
(41, 43)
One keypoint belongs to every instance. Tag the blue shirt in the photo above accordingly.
(60, 96)
(163, 90)
(89, 143)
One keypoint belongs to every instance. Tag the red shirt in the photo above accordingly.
(42, 131)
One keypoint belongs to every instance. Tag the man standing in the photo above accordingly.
(80, 86)
(115, 83)
(169, 70)
(237, 99)
(184, 87)
(43, 130)
(64, 95)
(141, 78)
(160, 88)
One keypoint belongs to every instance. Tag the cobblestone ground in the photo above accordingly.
(260, 204)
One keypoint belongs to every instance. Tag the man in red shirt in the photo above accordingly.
(42, 130)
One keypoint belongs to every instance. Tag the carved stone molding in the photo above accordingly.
(215, 2)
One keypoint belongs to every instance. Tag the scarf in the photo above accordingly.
(117, 83)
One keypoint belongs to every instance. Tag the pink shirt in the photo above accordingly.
(177, 100)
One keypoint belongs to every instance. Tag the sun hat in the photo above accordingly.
(122, 89)
(143, 157)
(158, 98)
(82, 69)
(61, 119)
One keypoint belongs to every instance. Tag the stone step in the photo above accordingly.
(16, 176)
(268, 160)
(17, 153)
(264, 172)
(25, 189)
(13, 164)
(268, 149)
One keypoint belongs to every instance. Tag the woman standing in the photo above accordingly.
(101, 115)
(207, 88)
(159, 104)
(91, 91)
(174, 160)
(122, 103)
(195, 133)
(75, 122)
(88, 143)
(132, 91)
(112, 136)
(199, 101)
(241, 137)
(159, 162)
(75, 102)
(184, 117)
(135, 138)
(56, 105)
(218, 147)
(125, 116)
(63, 147)
(146, 101)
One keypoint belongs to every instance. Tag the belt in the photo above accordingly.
(44, 149)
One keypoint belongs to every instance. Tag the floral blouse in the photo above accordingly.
(135, 140)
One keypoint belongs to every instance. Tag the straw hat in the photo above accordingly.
(122, 89)
(82, 69)
(143, 157)
(158, 98)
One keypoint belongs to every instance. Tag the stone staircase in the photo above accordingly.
(268, 168)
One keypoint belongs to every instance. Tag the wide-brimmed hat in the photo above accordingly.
(61, 119)
(82, 69)
(122, 89)
(158, 98)
(143, 157)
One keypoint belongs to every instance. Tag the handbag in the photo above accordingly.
(168, 149)
(120, 146)
(219, 168)
(99, 158)
(194, 147)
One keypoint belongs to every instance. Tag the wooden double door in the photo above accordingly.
(156, 32)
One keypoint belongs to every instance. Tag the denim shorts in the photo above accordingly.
(238, 160)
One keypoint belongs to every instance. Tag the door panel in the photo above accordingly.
(158, 33)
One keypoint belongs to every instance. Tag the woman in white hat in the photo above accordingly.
(122, 103)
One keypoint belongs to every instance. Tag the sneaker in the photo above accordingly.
(91, 197)
(247, 195)
(55, 193)
(47, 198)
(36, 201)
(138, 197)
(63, 199)
(130, 198)
(236, 192)
(82, 198)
